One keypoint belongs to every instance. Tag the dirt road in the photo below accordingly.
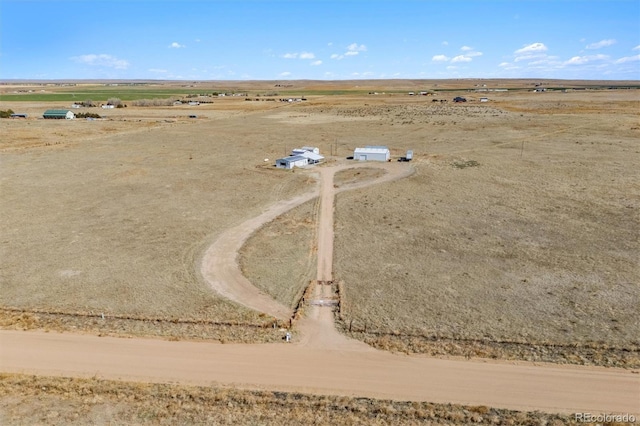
(322, 361)
(324, 371)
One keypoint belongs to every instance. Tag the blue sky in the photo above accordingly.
(326, 40)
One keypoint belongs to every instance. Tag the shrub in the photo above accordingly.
(6, 114)
(87, 115)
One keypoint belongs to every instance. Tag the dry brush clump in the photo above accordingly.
(26, 400)
(152, 102)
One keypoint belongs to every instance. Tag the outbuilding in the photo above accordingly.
(371, 153)
(59, 114)
(291, 162)
(313, 149)
(312, 157)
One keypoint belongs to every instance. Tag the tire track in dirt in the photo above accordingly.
(220, 268)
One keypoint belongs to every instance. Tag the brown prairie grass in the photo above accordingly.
(263, 329)
(30, 400)
(537, 243)
(280, 258)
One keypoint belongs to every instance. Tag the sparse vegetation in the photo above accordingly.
(6, 113)
(87, 115)
(64, 401)
(490, 262)
(152, 102)
(463, 164)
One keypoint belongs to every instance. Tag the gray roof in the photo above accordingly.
(292, 158)
(56, 112)
(312, 156)
(370, 150)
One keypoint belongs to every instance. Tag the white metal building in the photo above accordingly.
(313, 149)
(380, 153)
(291, 162)
(312, 157)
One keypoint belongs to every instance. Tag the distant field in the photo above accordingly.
(51, 92)
(94, 95)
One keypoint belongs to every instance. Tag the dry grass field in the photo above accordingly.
(28, 400)
(520, 225)
(111, 216)
(517, 237)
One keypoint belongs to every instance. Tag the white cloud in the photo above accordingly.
(579, 60)
(316, 63)
(461, 58)
(529, 57)
(628, 59)
(531, 51)
(636, 48)
(176, 45)
(601, 44)
(102, 60)
(296, 55)
(473, 54)
(445, 43)
(534, 47)
(158, 70)
(285, 74)
(440, 58)
(354, 47)
(466, 48)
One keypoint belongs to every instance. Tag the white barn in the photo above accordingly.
(291, 162)
(371, 153)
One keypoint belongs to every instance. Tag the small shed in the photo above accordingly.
(378, 153)
(291, 162)
(59, 114)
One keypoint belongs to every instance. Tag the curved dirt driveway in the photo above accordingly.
(322, 361)
(219, 266)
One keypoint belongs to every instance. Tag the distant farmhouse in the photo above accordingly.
(300, 157)
(59, 114)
